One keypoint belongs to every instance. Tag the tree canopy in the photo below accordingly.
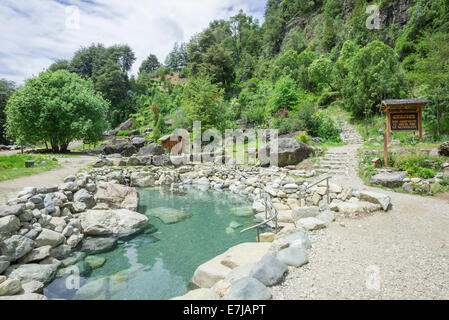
(56, 107)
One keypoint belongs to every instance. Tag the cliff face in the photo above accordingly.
(395, 12)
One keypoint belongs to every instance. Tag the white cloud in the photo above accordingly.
(35, 33)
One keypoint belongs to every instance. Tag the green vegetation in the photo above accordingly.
(56, 107)
(12, 167)
(287, 73)
(6, 90)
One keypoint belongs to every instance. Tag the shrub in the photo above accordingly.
(124, 133)
(303, 138)
(417, 164)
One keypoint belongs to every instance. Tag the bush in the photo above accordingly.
(303, 138)
(124, 133)
(417, 164)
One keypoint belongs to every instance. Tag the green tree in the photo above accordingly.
(56, 107)
(319, 72)
(374, 74)
(285, 94)
(60, 65)
(177, 58)
(150, 64)
(6, 90)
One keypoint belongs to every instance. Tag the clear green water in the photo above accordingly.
(159, 266)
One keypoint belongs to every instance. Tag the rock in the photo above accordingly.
(95, 262)
(14, 210)
(169, 215)
(85, 197)
(117, 196)
(310, 224)
(138, 142)
(142, 179)
(293, 257)
(26, 296)
(153, 149)
(389, 179)
(408, 187)
(357, 207)
(73, 258)
(48, 237)
(133, 161)
(9, 224)
(16, 247)
(376, 198)
(267, 237)
(94, 290)
(210, 272)
(48, 203)
(28, 272)
(96, 245)
(244, 211)
(444, 149)
(83, 268)
(10, 287)
(258, 206)
(33, 286)
(125, 126)
(376, 163)
(244, 253)
(103, 162)
(269, 270)
(118, 223)
(290, 152)
(239, 273)
(161, 161)
(199, 294)
(249, 288)
(37, 254)
(60, 251)
(298, 240)
(4, 263)
(123, 147)
(305, 212)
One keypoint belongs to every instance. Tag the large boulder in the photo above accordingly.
(444, 149)
(117, 196)
(389, 179)
(119, 223)
(116, 146)
(138, 142)
(290, 152)
(10, 287)
(269, 270)
(153, 149)
(142, 179)
(162, 160)
(249, 289)
(376, 198)
(293, 257)
(32, 272)
(16, 247)
(127, 125)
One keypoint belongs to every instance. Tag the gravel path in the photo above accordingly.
(399, 254)
(68, 166)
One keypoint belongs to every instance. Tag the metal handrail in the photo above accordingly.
(268, 206)
(327, 187)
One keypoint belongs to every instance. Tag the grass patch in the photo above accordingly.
(13, 167)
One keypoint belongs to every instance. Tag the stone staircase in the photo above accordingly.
(349, 134)
(334, 163)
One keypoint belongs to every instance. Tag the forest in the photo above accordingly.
(284, 73)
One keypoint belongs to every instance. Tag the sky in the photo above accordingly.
(36, 33)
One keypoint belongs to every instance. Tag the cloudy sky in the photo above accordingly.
(35, 33)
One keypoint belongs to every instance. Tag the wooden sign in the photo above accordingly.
(404, 121)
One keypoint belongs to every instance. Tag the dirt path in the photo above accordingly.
(68, 166)
(400, 254)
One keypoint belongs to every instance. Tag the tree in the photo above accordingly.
(150, 64)
(56, 107)
(203, 101)
(6, 90)
(374, 74)
(60, 65)
(285, 94)
(159, 129)
(319, 72)
(177, 58)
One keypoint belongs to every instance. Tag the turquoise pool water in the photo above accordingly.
(158, 265)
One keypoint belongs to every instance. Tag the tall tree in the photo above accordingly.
(177, 58)
(56, 107)
(6, 90)
(150, 64)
